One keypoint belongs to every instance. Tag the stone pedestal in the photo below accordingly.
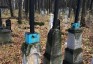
(74, 39)
(5, 35)
(73, 56)
(31, 53)
(53, 52)
(31, 48)
(73, 52)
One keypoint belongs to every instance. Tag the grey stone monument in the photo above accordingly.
(53, 53)
(31, 53)
(5, 35)
(73, 52)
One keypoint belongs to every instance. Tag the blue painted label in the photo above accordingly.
(76, 25)
(32, 38)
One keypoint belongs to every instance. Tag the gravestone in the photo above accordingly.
(73, 52)
(42, 12)
(5, 35)
(51, 20)
(66, 15)
(34, 54)
(53, 52)
(8, 24)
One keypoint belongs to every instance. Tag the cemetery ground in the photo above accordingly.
(10, 53)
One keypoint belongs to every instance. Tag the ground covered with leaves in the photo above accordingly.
(10, 53)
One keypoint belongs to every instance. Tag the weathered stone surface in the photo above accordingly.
(31, 53)
(5, 35)
(74, 39)
(66, 62)
(53, 53)
(73, 56)
(73, 52)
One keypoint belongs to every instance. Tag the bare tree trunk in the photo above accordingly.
(13, 4)
(47, 5)
(91, 6)
(70, 8)
(11, 9)
(0, 19)
(83, 14)
(20, 12)
(26, 8)
(16, 3)
(39, 5)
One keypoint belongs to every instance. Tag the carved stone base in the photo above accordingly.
(73, 56)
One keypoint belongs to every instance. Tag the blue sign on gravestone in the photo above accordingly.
(76, 25)
(32, 38)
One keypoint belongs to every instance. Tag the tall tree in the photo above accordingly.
(11, 9)
(91, 5)
(0, 19)
(20, 12)
(70, 7)
(26, 8)
(83, 14)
